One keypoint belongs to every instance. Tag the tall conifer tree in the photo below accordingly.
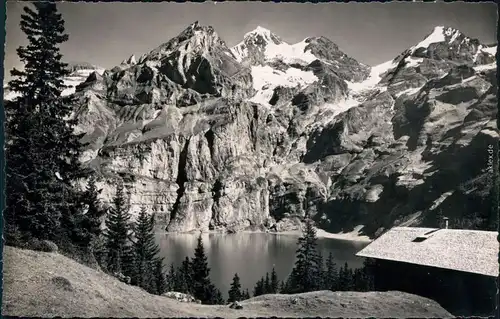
(331, 274)
(306, 274)
(246, 295)
(267, 284)
(118, 234)
(235, 293)
(41, 150)
(259, 288)
(203, 289)
(89, 224)
(171, 278)
(184, 277)
(274, 282)
(160, 280)
(145, 251)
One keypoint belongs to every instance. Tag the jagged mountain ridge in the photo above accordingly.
(264, 133)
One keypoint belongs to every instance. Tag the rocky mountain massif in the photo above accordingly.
(262, 134)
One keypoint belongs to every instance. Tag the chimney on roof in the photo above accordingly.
(446, 222)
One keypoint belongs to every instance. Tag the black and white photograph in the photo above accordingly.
(250, 159)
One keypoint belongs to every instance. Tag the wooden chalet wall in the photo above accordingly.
(461, 293)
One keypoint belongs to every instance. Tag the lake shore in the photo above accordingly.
(353, 236)
(320, 233)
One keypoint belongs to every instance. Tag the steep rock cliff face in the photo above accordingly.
(263, 134)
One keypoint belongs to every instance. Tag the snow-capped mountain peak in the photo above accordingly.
(262, 34)
(258, 30)
(446, 43)
(443, 34)
(261, 45)
(437, 35)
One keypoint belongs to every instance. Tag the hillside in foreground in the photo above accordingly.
(49, 284)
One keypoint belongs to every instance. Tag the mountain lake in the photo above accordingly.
(251, 255)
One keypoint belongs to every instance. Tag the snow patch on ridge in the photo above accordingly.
(455, 35)
(436, 36)
(409, 91)
(273, 48)
(265, 79)
(474, 59)
(412, 62)
(490, 50)
(441, 199)
(374, 77)
(485, 67)
(265, 75)
(331, 110)
(240, 51)
(289, 53)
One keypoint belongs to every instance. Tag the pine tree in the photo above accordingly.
(41, 150)
(439, 222)
(235, 293)
(320, 272)
(350, 278)
(99, 249)
(306, 273)
(368, 274)
(358, 284)
(342, 281)
(331, 274)
(118, 235)
(90, 222)
(267, 284)
(214, 296)
(283, 289)
(184, 277)
(94, 212)
(274, 282)
(146, 252)
(259, 288)
(160, 283)
(246, 295)
(171, 277)
(200, 271)
(346, 282)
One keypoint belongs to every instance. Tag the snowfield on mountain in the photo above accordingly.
(259, 135)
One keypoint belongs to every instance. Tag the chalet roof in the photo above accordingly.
(470, 251)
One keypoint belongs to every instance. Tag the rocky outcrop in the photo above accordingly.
(181, 297)
(264, 134)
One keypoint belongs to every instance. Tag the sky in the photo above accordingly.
(104, 34)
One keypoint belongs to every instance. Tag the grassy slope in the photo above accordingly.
(31, 290)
